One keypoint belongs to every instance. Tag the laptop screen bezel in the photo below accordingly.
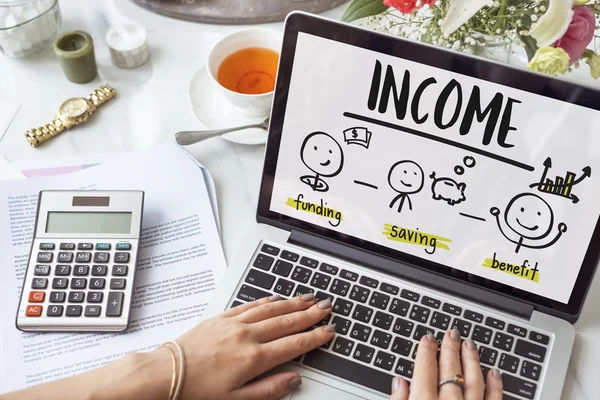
(455, 62)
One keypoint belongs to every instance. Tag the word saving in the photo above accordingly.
(380, 93)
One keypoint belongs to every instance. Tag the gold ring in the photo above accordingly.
(456, 379)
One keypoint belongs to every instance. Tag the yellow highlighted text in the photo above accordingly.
(523, 271)
(318, 209)
(410, 236)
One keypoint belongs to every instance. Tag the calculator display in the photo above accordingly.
(88, 222)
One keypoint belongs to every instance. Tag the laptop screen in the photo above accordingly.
(454, 170)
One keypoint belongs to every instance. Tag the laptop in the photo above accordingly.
(423, 190)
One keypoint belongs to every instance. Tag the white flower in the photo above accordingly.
(553, 24)
(459, 12)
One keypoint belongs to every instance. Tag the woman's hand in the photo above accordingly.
(455, 358)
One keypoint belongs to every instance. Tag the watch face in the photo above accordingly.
(73, 108)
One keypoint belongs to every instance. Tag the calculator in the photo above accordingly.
(81, 269)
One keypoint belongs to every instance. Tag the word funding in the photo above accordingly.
(497, 112)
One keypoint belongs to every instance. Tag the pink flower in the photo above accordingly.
(579, 34)
(407, 6)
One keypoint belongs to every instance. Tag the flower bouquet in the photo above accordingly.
(556, 34)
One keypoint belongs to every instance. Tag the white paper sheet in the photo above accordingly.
(7, 114)
(8, 170)
(179, 265)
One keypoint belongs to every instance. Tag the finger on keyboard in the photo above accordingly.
(450, 363)
(424, 384)
(274, 309)
(232, 312)
(472, 370)
(493, 389)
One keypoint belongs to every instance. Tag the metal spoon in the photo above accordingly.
(185, 138)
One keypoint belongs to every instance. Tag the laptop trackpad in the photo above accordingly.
(311, 390)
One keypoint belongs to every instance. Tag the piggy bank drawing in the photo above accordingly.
(448, 190)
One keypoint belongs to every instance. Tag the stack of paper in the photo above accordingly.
(180, 262)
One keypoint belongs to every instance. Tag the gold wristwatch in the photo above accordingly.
(72, 112)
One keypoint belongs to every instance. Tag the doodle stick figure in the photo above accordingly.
(323, 156)
(531, 218)
(405, 177)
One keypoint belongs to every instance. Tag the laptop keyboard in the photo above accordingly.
(379, 324)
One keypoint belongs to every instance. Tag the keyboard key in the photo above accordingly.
(41, 270)
(73, 311)
(342, 324)
(99, 270)
(403, 327)
(384, 360)
(381, 339)
(410, 295)
(539, 337)
(399, 307)
(97, 283)
(473, 316)
(67, 246)
(62, 270)
(421, 331)
(282, 268)
(530, 350)
(57, 297)
(494, 323)
(342, 346)
(351, 276)
(78, 283)
(349, 370)
(309, 262)
(119, 270)
(44, 257)
(94, 297)
(363, 353)
(487, 355)
(452, 309)
(102, 246)
(531, 370)
(64, 257)
(55, 311)
(39, 283)
(236, 303)
(81, 270)
(269, 249)
(46, 246)
(343, 307)
(503, 341)
(383, 320)
(101, 257)
(359, 293)
(391, 289)
(37, 296)
(33, 311)
(76, 297)
(440, 321)
(60, 283)
(323, 296)
(288, 255)
(379, 300)
(263, 261)
(481, 334)
(260, 279)
(516, 330)
(419, 313)
(301, 274)
(117, 284)
(431, 302)
(123, 246)
(362, 313)
(401, 346)
(114, 304)
(508, 363)
(300, 290)
(405, 368)
(360, 332)
(85, 246)
(324, 321)
(518, 386)
(340, 287)
(463, 327)
(370, 282)
(92, 311)
(320, 281)
(83, 257)
(328, 268)
(284, 287)
(121, 257)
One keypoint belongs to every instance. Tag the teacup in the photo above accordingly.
(255, 105)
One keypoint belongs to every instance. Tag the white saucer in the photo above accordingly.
(214, 112)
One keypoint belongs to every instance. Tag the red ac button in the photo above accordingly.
(36, 297)
(33, 311)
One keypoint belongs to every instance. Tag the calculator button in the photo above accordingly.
(54, 311)
(57, 297)
(121, 257)
(94, 297)
(119, 270)
(97, 283)
(117, 284)
(99, 270)
(64, 256)
(76, 297)
(123, 246)
(92, 311)
(33, 311)
(39, 283)
(36, 297)
(102, 246)
(60, 283)
(41, 270)
(85, 246)
(44, 257)
(114, 304)
(78, 283)
(73, 311)
(101, 257)
(62, 270)
(46, 246)
(67, 246)
(83, 257)
(81, 270)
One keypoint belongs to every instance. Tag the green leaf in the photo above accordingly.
(358, 9)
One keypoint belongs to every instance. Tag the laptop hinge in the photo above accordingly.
(412, 273)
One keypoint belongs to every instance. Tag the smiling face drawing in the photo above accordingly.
(529, 216)
(406, 177)
(322, 154)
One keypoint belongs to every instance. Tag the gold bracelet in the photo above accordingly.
(181, 369)
(174, 368)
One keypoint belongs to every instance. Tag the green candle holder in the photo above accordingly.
(75, 51)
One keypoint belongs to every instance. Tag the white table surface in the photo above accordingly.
(152, 105)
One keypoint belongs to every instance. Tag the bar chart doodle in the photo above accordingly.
(560, 186)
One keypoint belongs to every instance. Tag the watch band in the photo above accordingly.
(101, 95)
(41, 134)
